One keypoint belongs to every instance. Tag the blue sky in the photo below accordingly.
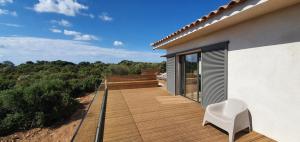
(92, 30)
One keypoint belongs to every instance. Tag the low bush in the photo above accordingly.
(41, 94)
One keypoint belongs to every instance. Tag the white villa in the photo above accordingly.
(248, 50)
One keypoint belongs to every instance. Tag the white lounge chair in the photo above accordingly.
(231, 115)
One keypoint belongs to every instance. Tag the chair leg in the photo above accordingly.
(250, 128)
(204, 119)
(231, 137)
(204, 122)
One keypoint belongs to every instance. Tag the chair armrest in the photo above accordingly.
(216, 107)
(242, 120)
(243, 114)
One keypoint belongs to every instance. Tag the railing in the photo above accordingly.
(101, 123)
(77, 129)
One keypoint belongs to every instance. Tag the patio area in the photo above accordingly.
(150, 114)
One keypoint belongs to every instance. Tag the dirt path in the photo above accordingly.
(61, 132)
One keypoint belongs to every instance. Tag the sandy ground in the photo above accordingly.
(60, 132)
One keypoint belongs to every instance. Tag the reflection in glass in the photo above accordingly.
(191, 76)
(199, 78)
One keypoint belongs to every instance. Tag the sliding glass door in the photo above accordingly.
(191, 76)
(203, 74)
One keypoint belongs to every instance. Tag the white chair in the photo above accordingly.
(231, 115)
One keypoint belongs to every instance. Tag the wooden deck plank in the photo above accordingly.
(150, 114)
(119, 123)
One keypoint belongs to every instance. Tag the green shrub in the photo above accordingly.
(39, 119)
(6, 84)
(118, 69)
(11, 122)
(75, 88)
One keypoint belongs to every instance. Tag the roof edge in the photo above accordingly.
(203, 19)
(218, 22)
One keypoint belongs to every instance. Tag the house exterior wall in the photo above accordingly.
(264, 69)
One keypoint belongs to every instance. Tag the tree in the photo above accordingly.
(8, 63)
(84, 63)
(118, 69)
(163, 66)
(126, 62)
(29, 62)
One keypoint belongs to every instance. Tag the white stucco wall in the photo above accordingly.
(268, 80)
(264, 70)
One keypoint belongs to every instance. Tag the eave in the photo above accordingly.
(245, 11)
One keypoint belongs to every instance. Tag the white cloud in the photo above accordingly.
(33, 48)
(85, 37)
(65, 7)
(7, 12)
(55, 30)
(62, 22)
(79, 36)
(13, 13)
(105, 17)
(3, 11)
(92, 16)
(118, 43)
(11, 25)
(4, 2)
(71, 33)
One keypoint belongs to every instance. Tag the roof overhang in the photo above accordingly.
(216, 46)
(245, 11)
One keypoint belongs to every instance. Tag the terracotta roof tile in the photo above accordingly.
(221, 9)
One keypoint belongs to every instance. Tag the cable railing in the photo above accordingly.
(101, 122)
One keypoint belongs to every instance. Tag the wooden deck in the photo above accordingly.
(150, 114)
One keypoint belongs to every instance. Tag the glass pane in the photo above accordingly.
(199, 77)
(191, 74)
